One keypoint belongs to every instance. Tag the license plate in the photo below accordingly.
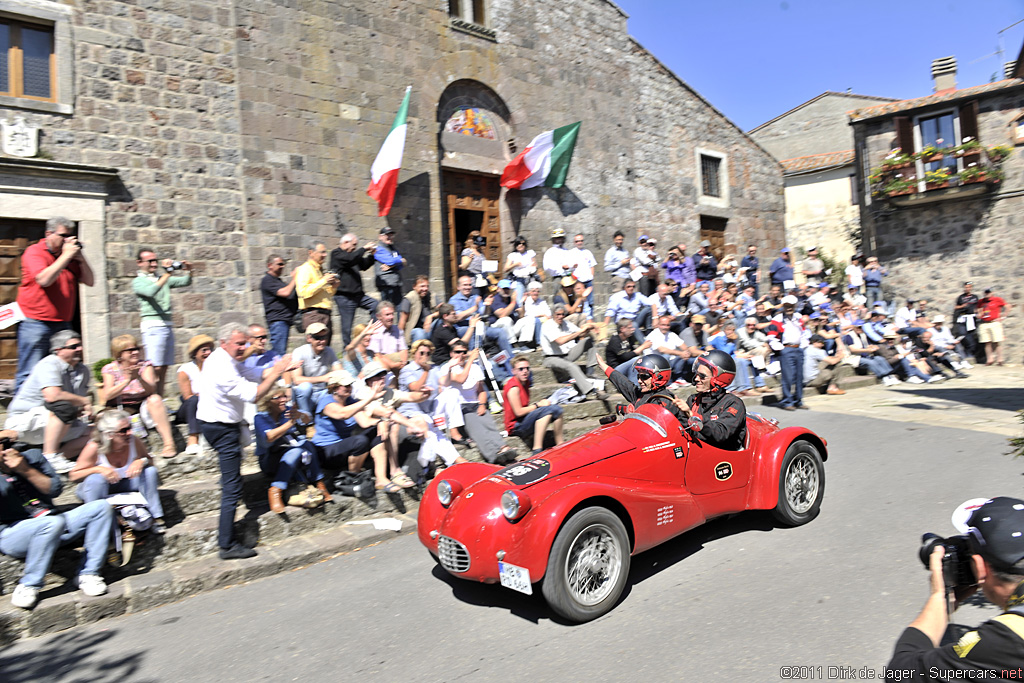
(516, 578)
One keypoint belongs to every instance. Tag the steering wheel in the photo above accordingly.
(664, 399)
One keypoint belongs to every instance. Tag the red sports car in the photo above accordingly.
(570, 518)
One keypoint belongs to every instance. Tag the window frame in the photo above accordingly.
(44, 13)
(16, 62)
(919, 164)
(721, 201)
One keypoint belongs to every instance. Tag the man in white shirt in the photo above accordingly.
(658, 304)
(616, 260)
(226, 385)
(669, 344)
(564, 343)
(790, 340)
(557, 259)
(585, 263)
(854, 273)
(314, 360)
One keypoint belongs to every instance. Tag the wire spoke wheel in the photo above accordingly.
(593, 564)
(801, 484)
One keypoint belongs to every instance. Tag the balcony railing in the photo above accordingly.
(933, 174)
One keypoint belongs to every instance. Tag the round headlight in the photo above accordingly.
(514, 505)
(445, 493)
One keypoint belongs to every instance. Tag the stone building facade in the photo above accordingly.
(814, 144)
(226, 130)
(935, 236)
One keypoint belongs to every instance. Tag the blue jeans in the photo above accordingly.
(791, 362)
(36, 540)
(909, 370)
(877, 365)
(34, 345)
(279, 330)
(306, 396)
(500, 337)
(347, 305)
(742, 380)
(224, 438)
(524, 428)
(752, 372)
(417, 334)
(96, 487)
(873, 294)
(291, 460)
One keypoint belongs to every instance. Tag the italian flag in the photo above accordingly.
(545, 161)
(384, 171)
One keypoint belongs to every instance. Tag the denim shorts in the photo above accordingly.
(159, 344)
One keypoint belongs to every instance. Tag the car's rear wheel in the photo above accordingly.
(588, 565)
(801, 484)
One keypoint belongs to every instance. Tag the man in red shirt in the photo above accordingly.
(525, 419)
(990, 330)
(50, 272)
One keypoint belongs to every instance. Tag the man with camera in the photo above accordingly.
(50, 272)
(154, 293)
(990, 556)
(315, 287)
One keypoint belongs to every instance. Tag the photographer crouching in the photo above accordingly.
(989, 556)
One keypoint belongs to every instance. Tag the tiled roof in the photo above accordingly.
(950, 95)
(827, 93)
(817, 162)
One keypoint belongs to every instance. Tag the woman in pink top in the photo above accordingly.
(129, 383)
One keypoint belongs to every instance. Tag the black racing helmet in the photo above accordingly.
(656, 367)
(721, 365)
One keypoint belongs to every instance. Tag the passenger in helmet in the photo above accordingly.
(713, 415)
(653, 374)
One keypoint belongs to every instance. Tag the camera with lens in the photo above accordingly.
(957, 566)
(175, 265)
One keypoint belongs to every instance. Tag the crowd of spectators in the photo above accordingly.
(428, 374)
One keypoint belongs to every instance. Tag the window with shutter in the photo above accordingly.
(28, 61)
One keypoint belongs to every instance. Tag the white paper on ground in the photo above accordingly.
(386, 524)
(131, 498)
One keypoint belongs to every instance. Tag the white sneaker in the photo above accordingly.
(915, 380)
(964, 365)
(193, 449)
(495, 408)
(24, 596)
(935, 378)
(92, 585)
(59, 463)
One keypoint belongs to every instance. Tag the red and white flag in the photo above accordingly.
(385, 168)
(545, 161)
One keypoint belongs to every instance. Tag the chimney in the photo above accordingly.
(1008, 69)
(944, 73)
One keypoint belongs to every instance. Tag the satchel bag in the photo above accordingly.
(304, 496)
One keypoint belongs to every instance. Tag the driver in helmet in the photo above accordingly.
(714, 415)
(653, 374)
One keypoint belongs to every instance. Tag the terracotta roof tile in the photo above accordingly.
(948, 95)
(817, 162)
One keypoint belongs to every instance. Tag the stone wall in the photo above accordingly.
(930, 250)
(241, 128)
(815, 127)
(820, 212)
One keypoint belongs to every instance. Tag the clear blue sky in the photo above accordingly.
(756, 59)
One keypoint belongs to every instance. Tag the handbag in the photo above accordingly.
(304, 496)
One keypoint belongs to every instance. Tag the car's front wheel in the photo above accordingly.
(801, 484)
(588, 565)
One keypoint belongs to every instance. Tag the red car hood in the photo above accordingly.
(584, 450)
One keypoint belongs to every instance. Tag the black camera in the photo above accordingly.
(957, 566)
(175, 265)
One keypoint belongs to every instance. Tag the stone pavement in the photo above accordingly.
(987, 400)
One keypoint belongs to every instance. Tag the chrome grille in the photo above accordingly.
(453, 555)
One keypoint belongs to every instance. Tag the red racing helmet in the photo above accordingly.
(656, 368)
(721, 365)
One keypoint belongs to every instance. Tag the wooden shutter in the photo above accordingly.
(968, 121)
(904, 134)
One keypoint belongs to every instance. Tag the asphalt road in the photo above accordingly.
(735, 600)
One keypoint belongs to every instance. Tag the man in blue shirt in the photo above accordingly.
(782, 269)
(625, 305)
(467, 305)
(616, 260)
(751, 264)
(388, 267)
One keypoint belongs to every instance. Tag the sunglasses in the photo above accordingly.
(459, 352)
(124, 431)
(72, 347)
(132, 348)
(703, 375)
(263, 336)
(148, 260)
(320, 337)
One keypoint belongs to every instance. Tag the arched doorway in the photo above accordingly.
(473, 135)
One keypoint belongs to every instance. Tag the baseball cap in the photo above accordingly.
(789, 299)
(534, 285)
(387, 230)
(698, 318)
(823, 285)
(705, 243)
(643, 238)
(316, 328)
(504, 284)
(372, 369)
(784, 250)
(558, 232)
(339, 377)
(1000, 524)
(810, 249)
(939, 319)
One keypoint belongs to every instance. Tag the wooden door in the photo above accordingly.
(471, 203)
(712, 229)
(15, 236)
